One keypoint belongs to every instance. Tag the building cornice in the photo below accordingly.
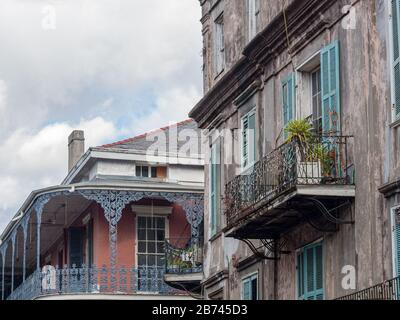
(303, 18)
(390, 188)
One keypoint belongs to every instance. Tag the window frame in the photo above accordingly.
(303, 249)
(250, 164)
(219, 45)
(250, 277)
(166, 234)
(149, 168)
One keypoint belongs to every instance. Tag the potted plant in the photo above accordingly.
(310, 155)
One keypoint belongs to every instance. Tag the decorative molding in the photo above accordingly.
(390, 188)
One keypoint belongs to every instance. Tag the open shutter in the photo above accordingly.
(252, 138)
(330, 79)
(215, 185)
(289, 95)
(310, 273)
(396, 56)
(246, 289)
(245, 142)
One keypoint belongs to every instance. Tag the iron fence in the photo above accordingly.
(325, 160)
(183, 256)
(388, 290)
(93, 280)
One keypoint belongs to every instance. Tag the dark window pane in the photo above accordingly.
(153, 172)
(141, 260)
(142, 246)
(142, 234)
(142, 223)
(151, 260)
(254, 289)
(160, 223)
(138, 171)
(151, 235)
(150, 223)
(160, 235)
(160, 247)
(145, 172)
(151, 247)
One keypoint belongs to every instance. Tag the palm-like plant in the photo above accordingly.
(300, 132)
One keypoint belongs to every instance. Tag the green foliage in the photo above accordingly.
(299, 131)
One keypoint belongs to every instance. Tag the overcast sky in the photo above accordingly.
(114, 68)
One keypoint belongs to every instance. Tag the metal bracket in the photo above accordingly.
(270, 249)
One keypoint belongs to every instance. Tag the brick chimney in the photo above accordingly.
(76, 147)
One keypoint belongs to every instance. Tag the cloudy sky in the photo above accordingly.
(114, 68)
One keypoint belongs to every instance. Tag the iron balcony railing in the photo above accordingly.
(183, 256)
(388, 290)
(84, 280)
(325, 160)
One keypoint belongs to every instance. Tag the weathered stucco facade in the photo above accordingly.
(290, 37)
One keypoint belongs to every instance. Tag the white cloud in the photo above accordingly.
(123, 66)
(30, 161)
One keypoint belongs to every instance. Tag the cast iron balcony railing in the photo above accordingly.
(55, 281)
(388, 290)
(325, 160)
(183, 256)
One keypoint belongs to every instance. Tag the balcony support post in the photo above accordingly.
(24, 225)
(38, 206)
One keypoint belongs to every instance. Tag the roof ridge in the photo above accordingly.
(143, 135)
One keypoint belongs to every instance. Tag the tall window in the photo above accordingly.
(396, 58)
(254, 11)
(250, 288)
(150, 250)
(248, 139)
(219, 45)
(316, 100)
(215, 185)
(310, 273)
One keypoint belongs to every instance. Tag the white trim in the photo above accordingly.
(250, 276)
(394, 242)
(253, 111)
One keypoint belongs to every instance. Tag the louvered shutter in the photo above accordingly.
(396, 56)
(310, 273)
(252, 138)
(319, 275)
(245, 131)
(213, 190)
(246, 289)
(330, 79)
(289, 94)
(397, 241)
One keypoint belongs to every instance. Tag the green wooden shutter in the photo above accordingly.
(215, 185)
(330, 80)
(246, 289)
(248, 139)
(289, 101)
(310, 273)
(396, 56)
(397, 241)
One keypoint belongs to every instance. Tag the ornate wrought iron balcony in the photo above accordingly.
(84, 280)
(388, 290)
(324, 164)
(184, 263)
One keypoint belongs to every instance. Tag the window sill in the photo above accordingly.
(216, 236)
(395, 124)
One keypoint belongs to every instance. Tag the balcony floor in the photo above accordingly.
(271, 219)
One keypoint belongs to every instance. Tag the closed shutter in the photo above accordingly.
(396, 56)
(245, 142)
(310, 278)
(330, 79)
(397, 241)
(76, 247)
(289, 101)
